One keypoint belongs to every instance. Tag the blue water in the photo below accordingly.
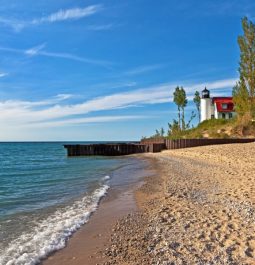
(46, 196)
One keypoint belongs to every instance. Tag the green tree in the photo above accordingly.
(173, 129)
(177, 101)
(157, 133)
(241, 99)
(183, 101)
(197, 101)
(162, 132)
(193, 115)
(244, 91)
(180, 99)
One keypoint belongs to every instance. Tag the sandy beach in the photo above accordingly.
(198, 207)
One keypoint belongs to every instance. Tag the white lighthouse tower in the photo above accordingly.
(206, 105)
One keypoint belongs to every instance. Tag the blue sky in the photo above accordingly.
(106, 70)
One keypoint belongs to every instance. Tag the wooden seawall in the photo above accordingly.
(145, 146)
(117, 149)
(186, 143)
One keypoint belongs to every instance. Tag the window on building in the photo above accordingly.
(224, 106)
(223, 116)
(230, 115)
(212, 116)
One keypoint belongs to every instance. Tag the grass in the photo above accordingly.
(215, 128)
(218, 128)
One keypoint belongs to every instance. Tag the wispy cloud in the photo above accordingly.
(16, 25)
(100, 27)
(38, 50)
(54, 111)
(212, 85)
(68, 14)
(217, 8)
(114, 85)
(75, 58)
(35, 50)
(143, 69)
(19, 104)
(221, 83)
(80, 121)
(61, 15)
(3, 74)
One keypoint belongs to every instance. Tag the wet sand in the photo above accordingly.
(85, 247)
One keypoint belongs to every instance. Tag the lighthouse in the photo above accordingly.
(206, 105)
(216, 107)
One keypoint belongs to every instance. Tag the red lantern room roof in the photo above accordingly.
(224, 104)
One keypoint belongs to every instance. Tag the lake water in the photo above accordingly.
(46, 196)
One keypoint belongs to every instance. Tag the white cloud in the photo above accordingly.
(3, 74)
(54, 111)
(35, 50)
(222, 83)
(69, 14)
(38, 50)
(15, 24)
(19, 104)
(19, 112)
(144, 69)
(213, 85)
(100, 27)
(75, 58)
(80, 121)
(114, 85)
(61, 15)
(63, 96)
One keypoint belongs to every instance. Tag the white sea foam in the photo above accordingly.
(106, 178)
(51, 234)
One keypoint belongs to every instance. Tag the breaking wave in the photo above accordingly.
(52, 233)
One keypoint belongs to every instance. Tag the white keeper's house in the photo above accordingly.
(216, 107)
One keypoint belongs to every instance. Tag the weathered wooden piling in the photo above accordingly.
(145, 146)
(185, 143)
(116, 149)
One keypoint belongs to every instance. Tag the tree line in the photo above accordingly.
(180, 125)
(244, 90)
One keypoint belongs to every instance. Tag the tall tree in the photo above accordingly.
(241, 100)
(197, 101)
(157, 133)
(162, 132)
(177, 101)
(244, 91)
(183, 104)
(180, 99)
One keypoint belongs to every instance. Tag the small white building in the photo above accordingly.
(216, 107)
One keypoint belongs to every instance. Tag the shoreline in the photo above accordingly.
(83, 246)
(198, 207)
(87, 244)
